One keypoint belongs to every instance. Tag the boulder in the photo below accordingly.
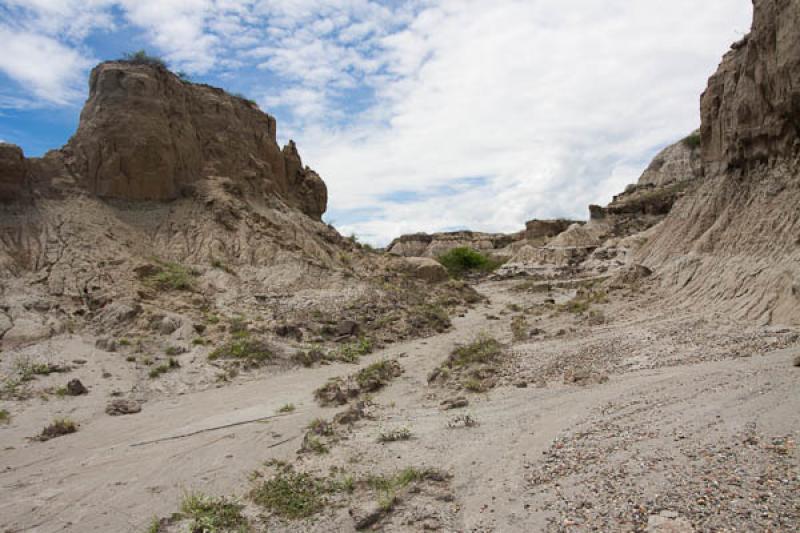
(123, 407)
(76, 388)
(425, 268)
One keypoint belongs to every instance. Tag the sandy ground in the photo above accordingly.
(696, 424)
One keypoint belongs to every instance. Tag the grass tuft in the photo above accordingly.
(213, 514)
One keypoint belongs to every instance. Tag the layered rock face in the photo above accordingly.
(751, 109)
(13, 173)
(145, 134)
(733, 243)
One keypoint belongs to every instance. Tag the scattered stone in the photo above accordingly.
(289, 330)
(584, 376)
(168, 325)
(123, 407)
(797, 360)
(106, 344)
(76, 388)
(367, 515)
(668, 522)
(79, 361)
(199, 328)
(521, 384)
(454, 403)
(347, 328)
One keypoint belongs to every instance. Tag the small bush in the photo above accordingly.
(141, 57)
(213, 514)
(395, 435)
(168, 276)
(5, 416)
(519, 328)
(291, 495)
(163, 368)
(377, 375)
(484, 349)
(59, 427)
(693, 141)
(287, 408)
(251, 351)
(464, 260)
(352, 352)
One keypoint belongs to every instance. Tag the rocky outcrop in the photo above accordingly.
(545, 229)
(751, 109)
(676, 163)
(13, 173)
(145, 134)
(732, 243)
(435, 244)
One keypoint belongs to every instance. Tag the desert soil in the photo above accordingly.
(684, 421)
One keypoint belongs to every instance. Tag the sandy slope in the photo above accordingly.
(542, 458)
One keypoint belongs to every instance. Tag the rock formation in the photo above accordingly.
(145, 134)
(435, 244)
(733, 243)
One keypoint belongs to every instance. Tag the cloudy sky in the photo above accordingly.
(420, 115)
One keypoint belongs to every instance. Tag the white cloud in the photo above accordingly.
(50, 70)
(548, 105)
(557, 103)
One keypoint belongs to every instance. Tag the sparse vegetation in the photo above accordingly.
(291, 495)
(287, 408)
(377, 375)
(251, 352)
(463, 260)
(519, 328)
(693, 140)
(172, 350)
(168, 276)
(163, 368)
(141, 57)
(351, 352)
(583, 301)
(484, 349)
(59, 427)
(213, 514)
(131, 359)
(394, 435)
(5, 416)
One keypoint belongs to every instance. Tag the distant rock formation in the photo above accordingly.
(435, 244)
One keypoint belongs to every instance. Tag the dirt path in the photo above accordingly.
(95, 480)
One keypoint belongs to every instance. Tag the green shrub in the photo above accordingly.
(251, 351)
(693, 141)
(5, 416)
(167, 276)
(141, 57)
(463, 260)
(213, 514)
(484, 349)
(291, 495)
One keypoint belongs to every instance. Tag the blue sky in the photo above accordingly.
(424, 115)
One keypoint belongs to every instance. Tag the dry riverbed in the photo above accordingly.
(541, 410)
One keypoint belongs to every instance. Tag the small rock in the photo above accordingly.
(367, 515)
(347, 328)
(106, 344)
(76, 388)
(79, 361)
(168, 325)
(454, 403)
(797, 360)
(123, 407)
(521, 384)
